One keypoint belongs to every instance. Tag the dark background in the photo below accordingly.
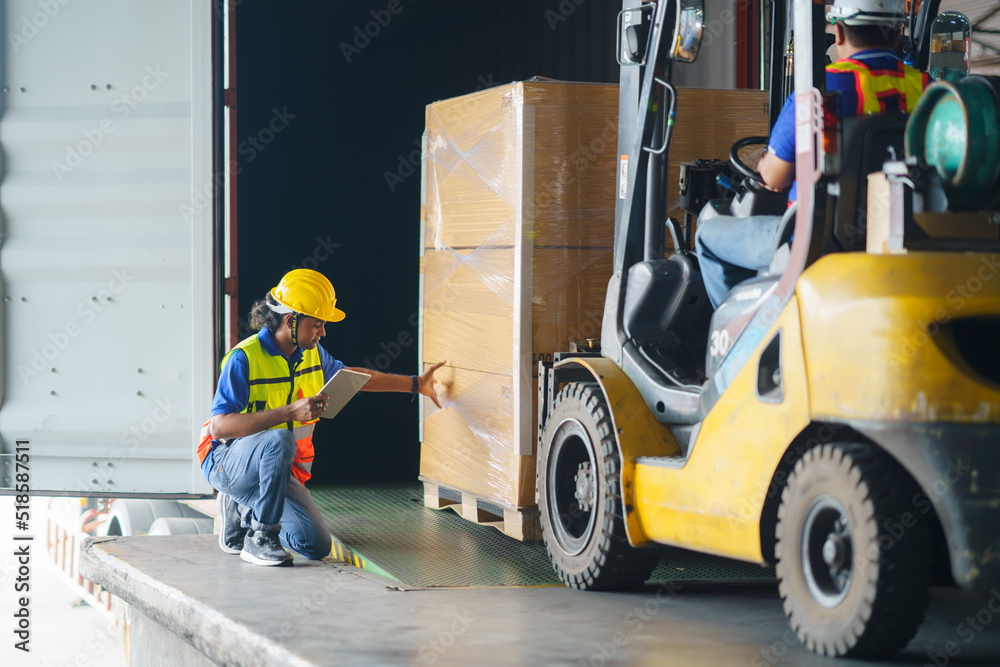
(321, 180)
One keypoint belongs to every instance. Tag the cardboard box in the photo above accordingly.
(468, 307)
(532, 161)
(519, 185)
(518, 222)
(468, 446)
(708, 123)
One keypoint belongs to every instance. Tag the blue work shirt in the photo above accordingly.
(233, 390)
(782, 141)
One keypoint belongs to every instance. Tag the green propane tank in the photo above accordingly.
(955, 128)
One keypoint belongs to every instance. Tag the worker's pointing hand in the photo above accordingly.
(425, 383)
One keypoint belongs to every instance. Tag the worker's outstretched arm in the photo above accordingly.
(777, 174)
(402, 383)
(239, 425)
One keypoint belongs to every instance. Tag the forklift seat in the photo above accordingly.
(666, 303)
(868, 142)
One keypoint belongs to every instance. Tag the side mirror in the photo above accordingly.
(687, 30)
(951, 39)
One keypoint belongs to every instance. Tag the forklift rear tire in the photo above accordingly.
(579, 496)
(854, 557)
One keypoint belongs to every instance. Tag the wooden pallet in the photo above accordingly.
(521, 523)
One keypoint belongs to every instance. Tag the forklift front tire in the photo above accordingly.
(854, 559)
(579, 496)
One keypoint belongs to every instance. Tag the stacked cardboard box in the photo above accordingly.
(708, 123)
(519, 188)
(518, 222)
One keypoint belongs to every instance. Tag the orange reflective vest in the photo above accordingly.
(874, 87)
(274, 384)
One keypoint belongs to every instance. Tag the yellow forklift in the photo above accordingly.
(839, 415)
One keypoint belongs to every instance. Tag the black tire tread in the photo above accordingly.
(616, 565)
(904, 570)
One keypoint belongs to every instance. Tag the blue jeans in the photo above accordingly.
(256, 472)
(731, 250)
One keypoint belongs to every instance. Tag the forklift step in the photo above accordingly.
(662, 461)
(521, 523)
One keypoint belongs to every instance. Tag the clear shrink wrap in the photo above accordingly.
(517, 213)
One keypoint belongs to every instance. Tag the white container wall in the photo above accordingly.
(106, 255)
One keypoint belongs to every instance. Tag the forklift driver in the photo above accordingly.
(870, 78)
(257, 448)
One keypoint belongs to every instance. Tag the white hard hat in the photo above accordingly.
(868, 12)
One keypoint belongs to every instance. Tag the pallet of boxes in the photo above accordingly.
(517, 218)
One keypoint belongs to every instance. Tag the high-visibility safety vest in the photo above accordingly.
(273, 384)
(874, 87)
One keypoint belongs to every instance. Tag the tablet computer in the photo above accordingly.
(340, 389)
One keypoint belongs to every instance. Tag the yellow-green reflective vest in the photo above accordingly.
(274, 384)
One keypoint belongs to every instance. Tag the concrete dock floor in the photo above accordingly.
(320, 613)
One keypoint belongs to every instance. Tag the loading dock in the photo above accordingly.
(191, 604)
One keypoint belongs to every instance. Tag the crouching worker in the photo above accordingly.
(257, 449)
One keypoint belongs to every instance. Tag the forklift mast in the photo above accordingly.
(646, 108)
(645, 95)
(641, 115)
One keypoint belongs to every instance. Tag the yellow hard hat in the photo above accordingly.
(310, 293)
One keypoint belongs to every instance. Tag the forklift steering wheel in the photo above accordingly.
(753, 177)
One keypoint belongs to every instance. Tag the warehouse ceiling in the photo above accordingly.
(985, 18)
